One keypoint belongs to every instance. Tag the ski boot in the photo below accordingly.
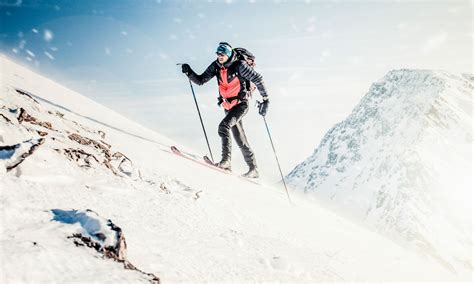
(224, 164)
(252, 173)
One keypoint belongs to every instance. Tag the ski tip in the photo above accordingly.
(174, 149)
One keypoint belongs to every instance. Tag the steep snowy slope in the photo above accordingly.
(82, 164)
(402, 161)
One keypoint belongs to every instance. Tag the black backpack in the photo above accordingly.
(244, 54)
(249, 58)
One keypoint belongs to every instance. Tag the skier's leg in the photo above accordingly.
(231, 118)
(241, 139)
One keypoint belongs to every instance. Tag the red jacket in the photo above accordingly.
(233, 78)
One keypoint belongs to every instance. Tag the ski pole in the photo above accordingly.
(276, 156)
(200, 117)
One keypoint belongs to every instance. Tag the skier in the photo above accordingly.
(233, 76)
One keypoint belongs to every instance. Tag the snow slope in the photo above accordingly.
(402, 162)
(182, 222)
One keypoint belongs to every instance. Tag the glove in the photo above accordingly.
(185, 68)
(263, 107)
(220, 100)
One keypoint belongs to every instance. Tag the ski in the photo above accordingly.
(205, 161)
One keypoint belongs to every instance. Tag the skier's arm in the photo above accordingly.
(248, 73)
(204, 77)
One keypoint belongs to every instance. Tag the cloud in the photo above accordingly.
(434, 43)
(402, 26)
(326, 53)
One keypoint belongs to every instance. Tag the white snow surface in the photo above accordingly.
(402, 163)
(182, 222)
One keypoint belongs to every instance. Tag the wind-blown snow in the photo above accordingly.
(183, 222)
(402, 162)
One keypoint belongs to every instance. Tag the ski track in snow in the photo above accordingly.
(182, 222)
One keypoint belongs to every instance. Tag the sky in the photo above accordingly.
(318, 58)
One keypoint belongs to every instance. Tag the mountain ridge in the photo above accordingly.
(389, 164)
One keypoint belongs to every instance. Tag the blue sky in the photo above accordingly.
(318, 58)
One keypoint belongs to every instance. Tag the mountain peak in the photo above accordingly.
(387, 164)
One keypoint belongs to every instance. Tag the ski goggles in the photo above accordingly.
(224, 49)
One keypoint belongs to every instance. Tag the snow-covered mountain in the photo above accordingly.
(87, 195)
(402, 162)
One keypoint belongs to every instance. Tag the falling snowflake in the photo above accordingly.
(30, 53)
(35, 31)
(49, 55)
(48, 35)
(22, 44)
(107, 51)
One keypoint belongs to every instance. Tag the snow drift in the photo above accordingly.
(402, 162)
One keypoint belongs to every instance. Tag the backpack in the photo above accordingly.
(244, 54)
(249, 58)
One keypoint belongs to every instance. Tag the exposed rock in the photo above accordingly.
(100, 234)
(25, 117)
(83, 158)
(106, 144)
(102, 134)
(6, 118)
(87, 141)
(13, 155)
(25, 93)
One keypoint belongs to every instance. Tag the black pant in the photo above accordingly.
(233, 120)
